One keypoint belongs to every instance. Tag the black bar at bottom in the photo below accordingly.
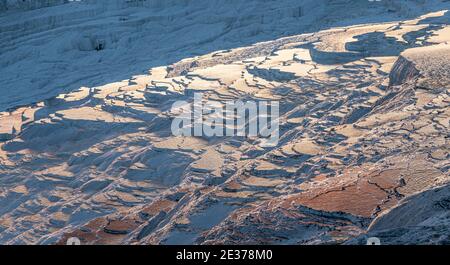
(219, 254)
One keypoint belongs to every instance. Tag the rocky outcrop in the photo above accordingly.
(403, 71)
(429, 65)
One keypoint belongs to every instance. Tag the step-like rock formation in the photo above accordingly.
(62, 40)
(99, 162)
(427, 64)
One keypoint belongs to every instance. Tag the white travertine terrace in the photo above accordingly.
(86, 148)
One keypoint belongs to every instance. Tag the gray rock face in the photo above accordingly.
(427, 65)
(403, 71)
(432, 64)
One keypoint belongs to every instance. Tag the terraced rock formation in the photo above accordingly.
(364, 145)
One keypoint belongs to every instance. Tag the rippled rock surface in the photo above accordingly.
(86, 147)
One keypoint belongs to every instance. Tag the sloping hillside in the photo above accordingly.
(86, 147)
